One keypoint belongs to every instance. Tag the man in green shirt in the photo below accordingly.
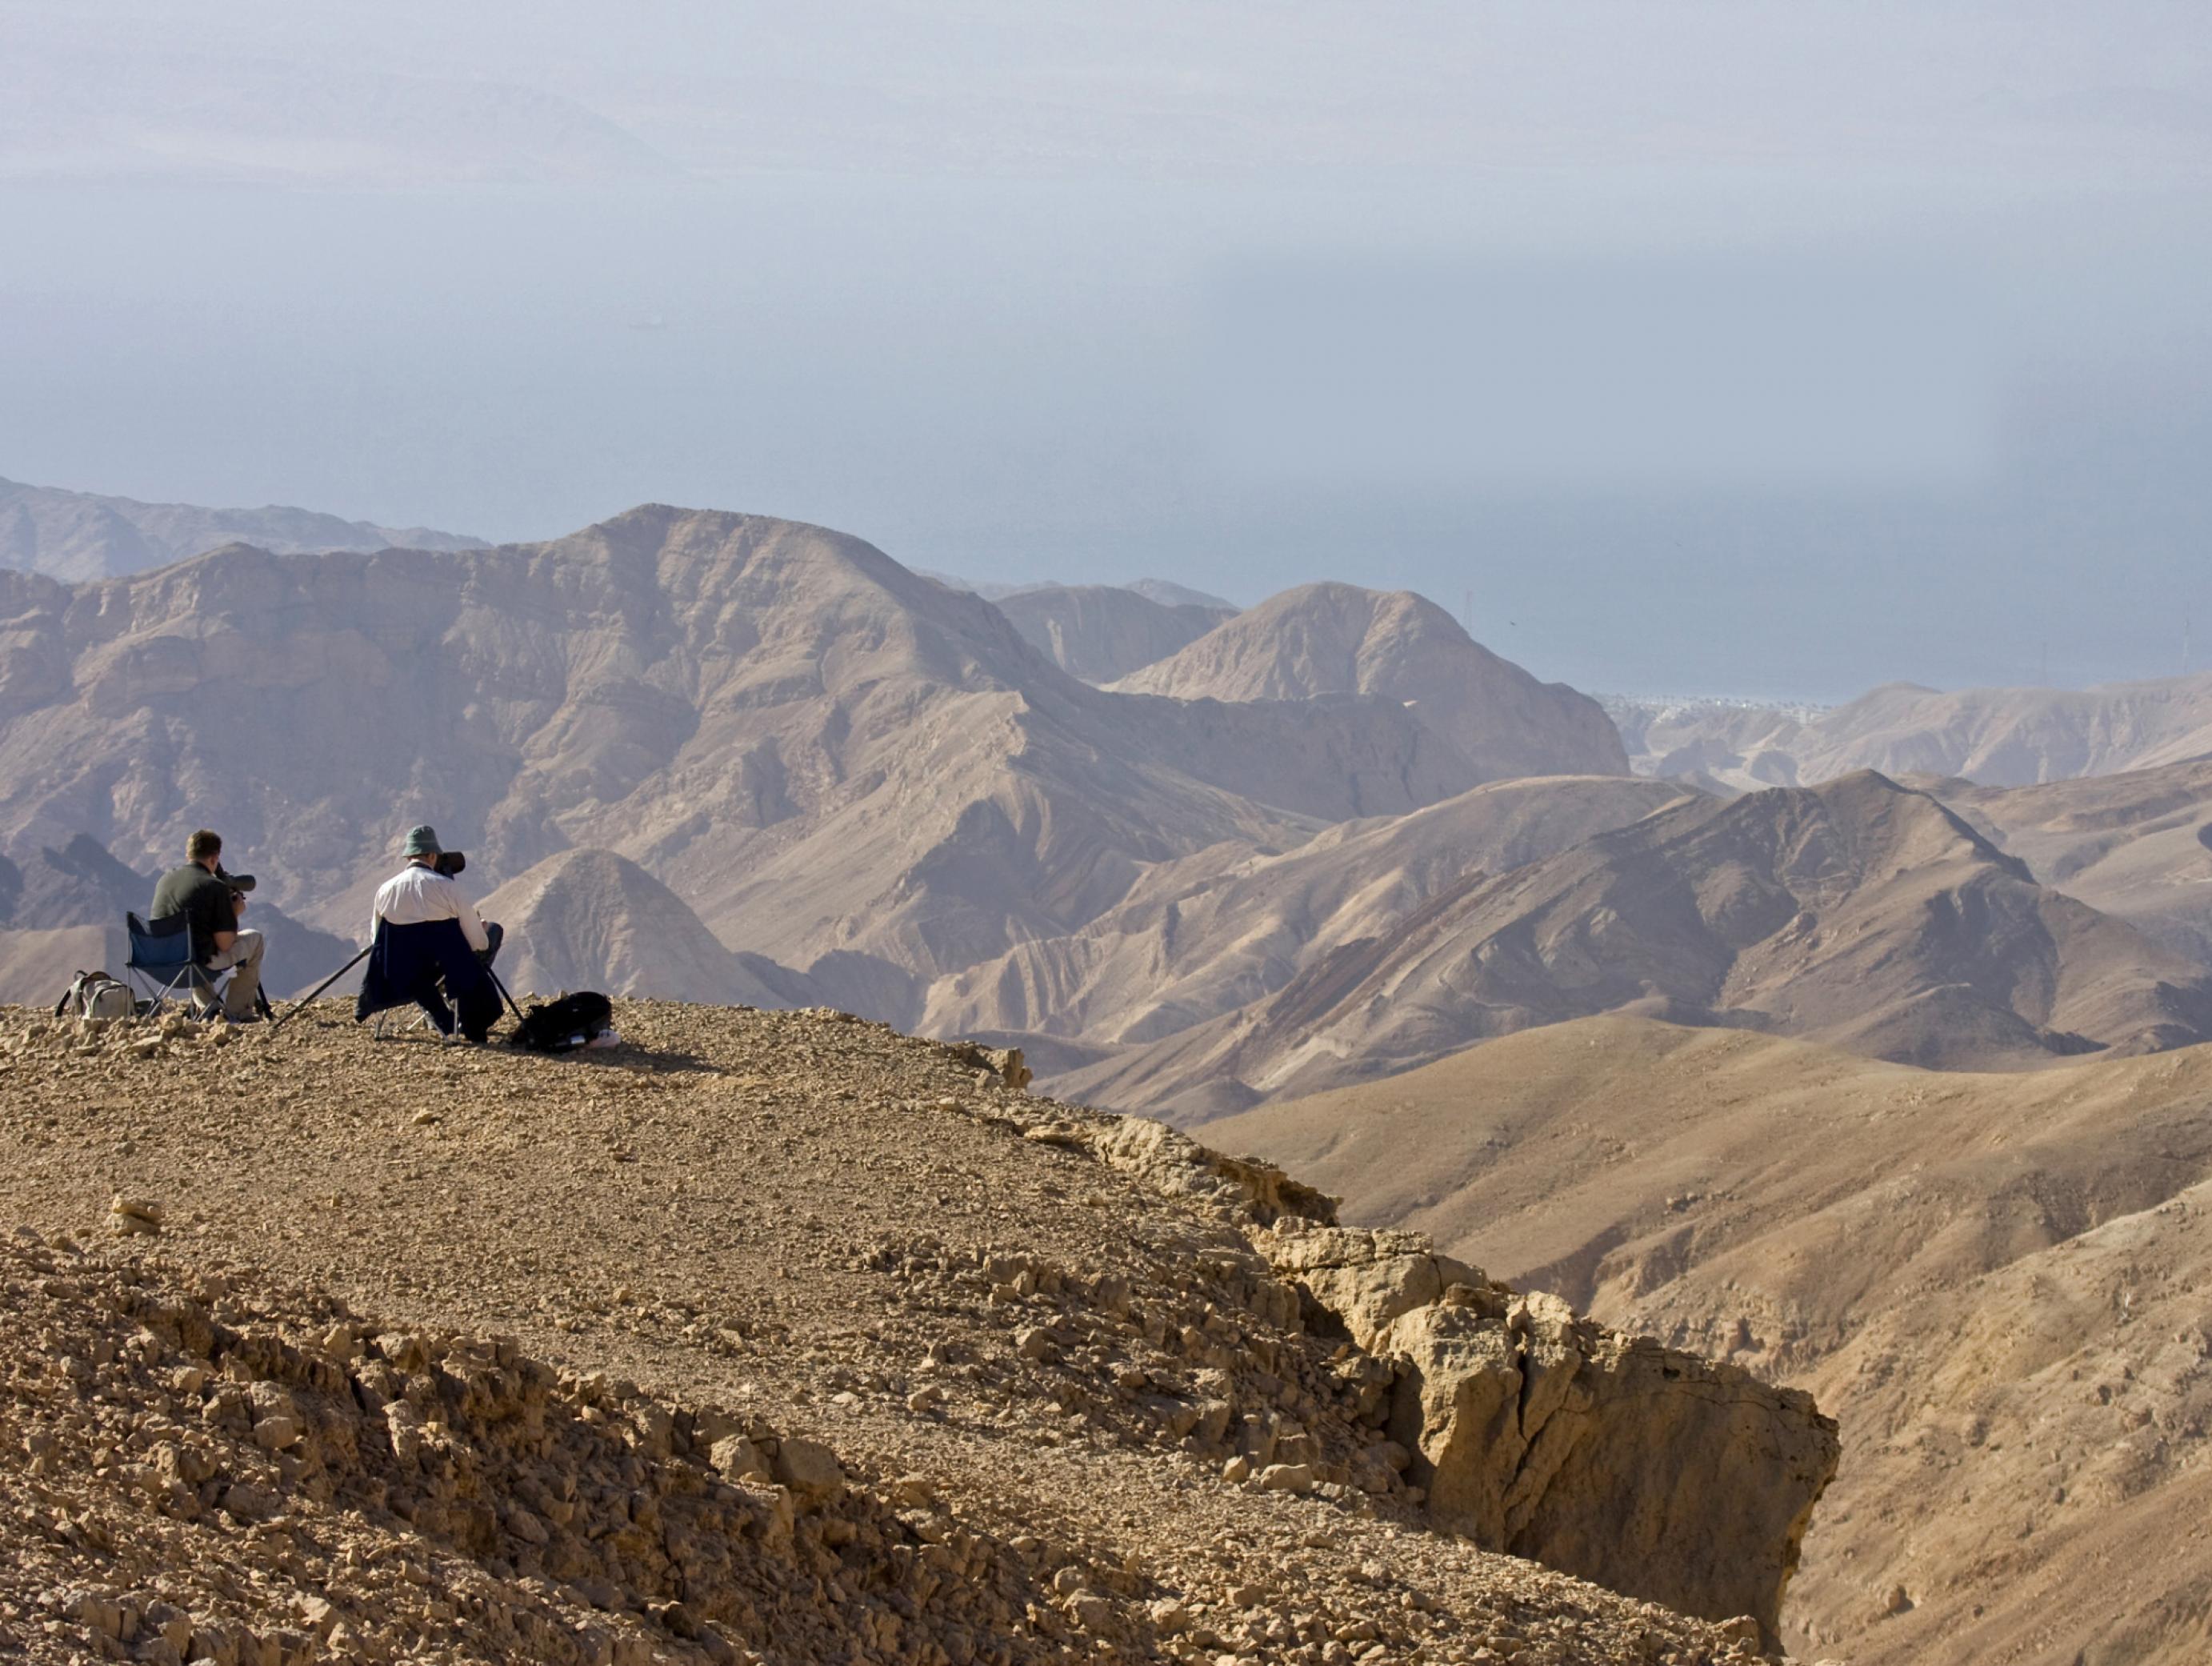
(213, 907)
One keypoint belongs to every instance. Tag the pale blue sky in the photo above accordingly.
(952, 275)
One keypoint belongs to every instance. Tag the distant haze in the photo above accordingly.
(953, 277)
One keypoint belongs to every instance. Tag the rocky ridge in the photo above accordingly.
(82, 535)
(2000, 737)
(1080, 1398)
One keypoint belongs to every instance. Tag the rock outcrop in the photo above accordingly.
(1546, 1435)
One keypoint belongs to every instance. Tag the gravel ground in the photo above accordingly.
(930, 1378)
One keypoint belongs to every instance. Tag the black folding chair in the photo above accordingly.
(165, 960)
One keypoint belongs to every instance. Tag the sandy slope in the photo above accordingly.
(1338, 639)
(1994, 1280)
(1858, 912)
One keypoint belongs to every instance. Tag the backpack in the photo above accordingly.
(565, 1025)
(96, 996)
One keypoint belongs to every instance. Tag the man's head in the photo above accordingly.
(204, 848)
(421, 845)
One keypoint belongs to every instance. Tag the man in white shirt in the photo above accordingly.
(427, 946)
(420, 892)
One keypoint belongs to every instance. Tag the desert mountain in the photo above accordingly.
(61, 911)
(1988, 1277)
(1332, 639)
(1101, 632)
(832, 759)
(1208, 934)
(591, 920)
(1858, 912)
(771, 1336)
(76, 535)
(1996, 737)
(2136, 845)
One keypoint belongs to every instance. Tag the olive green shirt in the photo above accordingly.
(192, 890)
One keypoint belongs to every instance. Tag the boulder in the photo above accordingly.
(1366, 1279)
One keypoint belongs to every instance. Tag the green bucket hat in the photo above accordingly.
(421, 842)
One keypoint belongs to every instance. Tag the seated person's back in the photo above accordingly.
(199, 894)
(428, 946)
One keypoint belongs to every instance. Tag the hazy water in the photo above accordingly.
(996, 377)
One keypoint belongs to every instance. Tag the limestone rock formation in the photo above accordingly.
(1207, 934)
(1338, 638)
(1993, 1281)
(1546, 1435)
(2133, 845)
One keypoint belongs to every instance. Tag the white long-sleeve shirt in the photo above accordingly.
(417, 893)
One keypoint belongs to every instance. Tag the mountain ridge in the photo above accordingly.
(74, 536)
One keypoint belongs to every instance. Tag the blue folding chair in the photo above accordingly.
(165, 960)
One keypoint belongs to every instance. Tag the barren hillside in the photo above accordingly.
(1987, 1277)
(80, 535)
(589, 920)
(1101, 632)
(824, 755)
(1859, 912)
(2136, 846)
(778, 1336)
(1340, 639)
(1213, 932)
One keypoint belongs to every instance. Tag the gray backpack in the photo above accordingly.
(96, 995)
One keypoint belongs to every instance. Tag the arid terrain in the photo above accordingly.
(1324, 639)
(779, 1336)
(1994, 1281)
(82, 535)
(941, 1368)
(1860, 912)
(1994, 736)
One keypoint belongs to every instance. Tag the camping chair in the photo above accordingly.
(165, 960)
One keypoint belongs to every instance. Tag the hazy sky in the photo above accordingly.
(1733, 347)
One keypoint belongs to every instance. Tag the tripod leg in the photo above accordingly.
(309, 997)
(501, 987)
